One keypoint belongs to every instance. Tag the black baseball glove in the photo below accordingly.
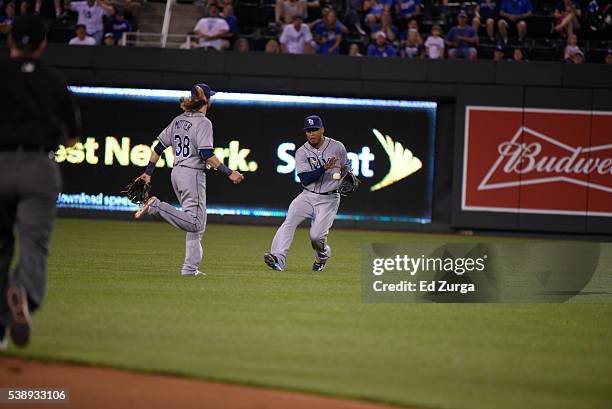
(349, 184)
(138, 191)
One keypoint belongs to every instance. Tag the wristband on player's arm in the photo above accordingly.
(206, 153)
(224, 169)
(159, 148)
(307, 178)
(150, 168)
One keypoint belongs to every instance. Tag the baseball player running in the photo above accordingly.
(191, 137)
(320, 163)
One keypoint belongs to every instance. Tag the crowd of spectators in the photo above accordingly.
(435, 29)
(497, 29)
(91, 22)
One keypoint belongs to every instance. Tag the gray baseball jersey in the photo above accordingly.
(187, 134)
(308, 158)
(313, 203)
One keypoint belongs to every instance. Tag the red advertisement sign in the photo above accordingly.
(537, 161)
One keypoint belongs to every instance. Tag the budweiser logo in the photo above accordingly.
(538, 159)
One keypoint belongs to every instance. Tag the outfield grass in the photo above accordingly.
(115, 298)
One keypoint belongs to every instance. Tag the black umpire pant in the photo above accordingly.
(29, 185)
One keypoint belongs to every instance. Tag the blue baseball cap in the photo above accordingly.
(499, 47)
(313, 122)
(207, 91)
(463, 13)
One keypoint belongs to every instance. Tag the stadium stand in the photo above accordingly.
(258, 22)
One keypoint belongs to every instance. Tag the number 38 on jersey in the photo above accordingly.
(181, 146)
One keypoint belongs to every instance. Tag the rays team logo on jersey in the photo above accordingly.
(402, 162)
(314, 163)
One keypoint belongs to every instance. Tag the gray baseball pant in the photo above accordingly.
(321, 210)
(29, 185)
(190, 188)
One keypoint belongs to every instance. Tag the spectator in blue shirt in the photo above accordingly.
(6, 22)
(373, 10)
(486, 11)
(328, 34)
(119, 25)
(408, 9)
(412, 47)
(567, 14)
(380, 48)
(232, 22)
(386, 26)
(230, 18)
(513, 14)
(462, 39)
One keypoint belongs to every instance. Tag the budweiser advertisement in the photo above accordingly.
(542, 161)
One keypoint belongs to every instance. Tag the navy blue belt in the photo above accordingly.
(322, 193)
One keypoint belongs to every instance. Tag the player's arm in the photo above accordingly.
(345, 164)
(209, 156)
(205, 145)
(308, 177)
(155, 155)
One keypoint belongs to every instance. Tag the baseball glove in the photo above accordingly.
(349, 184)
(138, 191)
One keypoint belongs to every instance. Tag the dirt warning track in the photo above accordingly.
(100, 388)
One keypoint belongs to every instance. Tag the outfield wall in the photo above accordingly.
(537, 100)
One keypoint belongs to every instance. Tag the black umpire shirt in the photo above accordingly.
(36, 108)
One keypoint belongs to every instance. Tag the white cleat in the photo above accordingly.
(143, 210)
(191, 273)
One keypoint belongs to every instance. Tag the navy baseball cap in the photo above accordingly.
(313, 122)
(462, 13)
(207, 91)
(28, 32)
(499, 48)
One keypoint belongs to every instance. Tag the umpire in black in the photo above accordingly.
(36, 114)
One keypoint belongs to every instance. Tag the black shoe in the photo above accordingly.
(316, 266)
(21, 322)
